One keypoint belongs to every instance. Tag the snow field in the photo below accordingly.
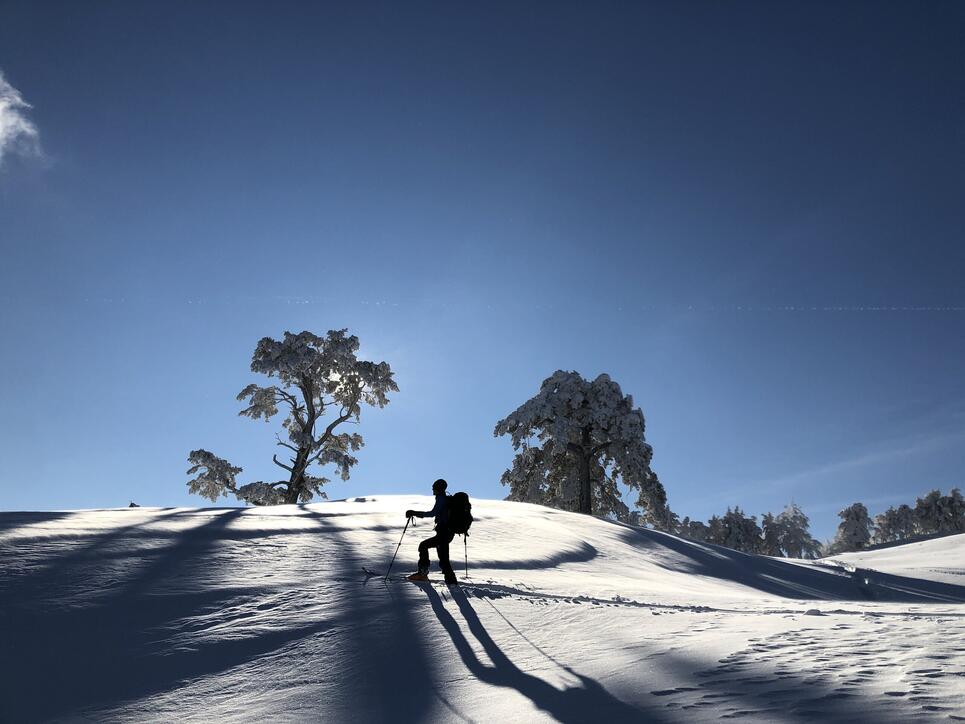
(232, 614)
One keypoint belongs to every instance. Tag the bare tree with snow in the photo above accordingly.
(317, 376)
(575, 440)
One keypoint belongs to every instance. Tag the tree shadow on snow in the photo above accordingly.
(385, 669)
(62, 656)
(586, 702)
(582, 554)
(18, 519)
(785, 578)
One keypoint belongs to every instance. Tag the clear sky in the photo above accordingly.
(749, 214)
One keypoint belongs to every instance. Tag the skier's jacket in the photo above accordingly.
(440, 511)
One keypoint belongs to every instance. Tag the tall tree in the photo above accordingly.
(576, 440)
(316, 375)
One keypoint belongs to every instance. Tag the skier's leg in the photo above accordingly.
(442, 548)
(424, 547)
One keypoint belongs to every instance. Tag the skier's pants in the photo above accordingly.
(440, 541)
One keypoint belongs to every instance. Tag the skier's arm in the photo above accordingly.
(425, 513)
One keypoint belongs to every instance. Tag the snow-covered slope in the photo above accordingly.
(263, 614)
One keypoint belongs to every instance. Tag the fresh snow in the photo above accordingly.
(264, 614)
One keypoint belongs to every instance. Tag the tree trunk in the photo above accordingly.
(297, 480)
(586, 491)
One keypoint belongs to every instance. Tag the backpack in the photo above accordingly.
(460, 513)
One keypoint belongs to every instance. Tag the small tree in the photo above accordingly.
(854, 530)
(772, 534)
(739, 531)
(937, 513)
(575, 440)
(895, 524)
(694, 530)
(316, 375)
(716, 532)
(796, 539)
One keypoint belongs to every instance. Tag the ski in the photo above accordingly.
(369, 573)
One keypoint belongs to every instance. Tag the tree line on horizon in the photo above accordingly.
(788, 533)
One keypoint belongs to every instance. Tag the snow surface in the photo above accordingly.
(262, 614)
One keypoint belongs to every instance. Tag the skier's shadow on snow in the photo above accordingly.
(586, 702)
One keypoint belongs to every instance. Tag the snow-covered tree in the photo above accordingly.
(694, 530)
(316, 375)
(937, 513)
(895, 524)
(576, 440)
(736, 530)
(795, 534)
(716, 532)
(854, 530)
(771, 535)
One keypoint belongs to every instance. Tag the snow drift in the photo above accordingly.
(235, 614)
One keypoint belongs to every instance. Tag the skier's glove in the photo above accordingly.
(409, 513)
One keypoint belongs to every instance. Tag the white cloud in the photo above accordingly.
(17, 133)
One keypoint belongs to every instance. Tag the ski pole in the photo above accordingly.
(465, 545)
(407, 521)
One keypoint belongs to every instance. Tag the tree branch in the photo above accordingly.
(281, 465)
(285, 444)
(286, 396)
(326, 435)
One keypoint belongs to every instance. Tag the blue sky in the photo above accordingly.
(749, 214)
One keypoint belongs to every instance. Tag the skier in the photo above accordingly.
(441, 540)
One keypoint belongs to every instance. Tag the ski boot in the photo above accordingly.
(421, 575)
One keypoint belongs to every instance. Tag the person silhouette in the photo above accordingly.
(441, 540)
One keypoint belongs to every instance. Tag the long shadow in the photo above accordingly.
(785, 578)
(384, 673)
(59, 565)
(18, 519)
(587, 702)
(60, 659)
(583, 554)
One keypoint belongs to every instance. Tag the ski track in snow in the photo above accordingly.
(264, 614)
